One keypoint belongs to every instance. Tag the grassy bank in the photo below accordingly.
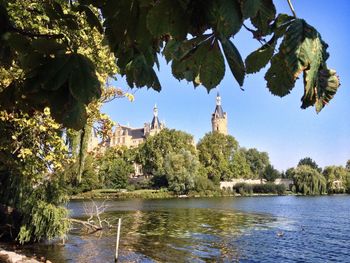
(118, 194)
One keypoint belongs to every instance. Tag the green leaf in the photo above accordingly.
(178, 50)
(83, 82)
(282, 22)
(327, 85)
(212, 69)
(234, 60)
(54, 13)
(4, 20)
(187, 68)
(51, 74)
(17, 41)
(75, 117)
(279, 81)
(124, 57)
(250, 8)
(47, 46)
(170, 48)
(66, 110)
(226, 17)
(168, 17)
(91, 17)
(266, 13)
(303, 51)
(58, 8)
(188, 58)
(69, 82)
(140, 74)
(8, 97)
(259, 58)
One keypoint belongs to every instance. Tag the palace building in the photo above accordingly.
(123, 135)
(132, 137)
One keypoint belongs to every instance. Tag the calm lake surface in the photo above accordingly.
(243, 229)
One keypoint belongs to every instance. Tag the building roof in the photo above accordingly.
(219, 112)
(155, 124)
(135, 133)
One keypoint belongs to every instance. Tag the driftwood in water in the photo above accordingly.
(94, 222)
(86, 224)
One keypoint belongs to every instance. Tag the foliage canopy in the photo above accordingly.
(309, 181)
(216, 152)
(182, 170)
(43, 42)
(153, 151)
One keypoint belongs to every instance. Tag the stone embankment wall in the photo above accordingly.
(229, 184)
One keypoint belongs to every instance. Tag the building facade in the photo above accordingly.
(219, 118)
(123, 135)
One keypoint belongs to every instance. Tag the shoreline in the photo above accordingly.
(7, 256)
(161, 194)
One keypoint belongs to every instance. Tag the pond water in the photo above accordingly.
(244, 229)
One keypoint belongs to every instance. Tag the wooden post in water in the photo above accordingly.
(117, 242)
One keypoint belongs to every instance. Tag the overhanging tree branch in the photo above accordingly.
(292, 8)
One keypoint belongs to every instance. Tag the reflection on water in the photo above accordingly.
(193, 234)
(273, 229)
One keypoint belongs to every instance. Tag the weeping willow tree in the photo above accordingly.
(32, 158)
(309, 181)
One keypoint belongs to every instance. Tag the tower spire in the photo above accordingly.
(155, 111)
(218, 99)
(155, 124)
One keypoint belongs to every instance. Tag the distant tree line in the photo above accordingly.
(310, 179)
(171, 160)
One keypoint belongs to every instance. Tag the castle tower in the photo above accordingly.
(219, 118)
(156, 126)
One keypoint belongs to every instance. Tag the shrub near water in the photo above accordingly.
(268, 188)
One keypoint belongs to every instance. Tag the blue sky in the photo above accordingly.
(255, 117)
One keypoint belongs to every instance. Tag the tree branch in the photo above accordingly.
(292, 8)
(86, 224)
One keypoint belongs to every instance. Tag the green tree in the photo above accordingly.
(151, 154)
(52, 55)
(182, 171)
(240, 167)
(90, 176)
(336, 177)
(32, 158)
(115, 167)
(308, 161)
(270, 173)
(309, 181)
(347, 183)
(347, 166)
(289, 173)
(257, 161)
(216, 152)
(46, 41)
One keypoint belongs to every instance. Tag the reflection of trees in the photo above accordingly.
(178, 234)
(167, 235)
